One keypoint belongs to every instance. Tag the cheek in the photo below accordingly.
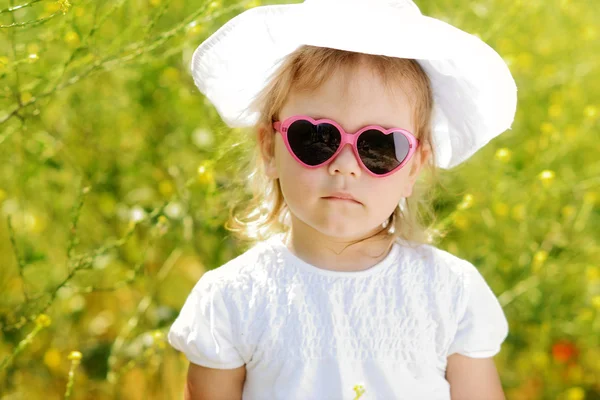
(296, 181)
(385, 194)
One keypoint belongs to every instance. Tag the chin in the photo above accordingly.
(335, 225)
(339, 230)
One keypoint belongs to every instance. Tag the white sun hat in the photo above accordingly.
(475, 95)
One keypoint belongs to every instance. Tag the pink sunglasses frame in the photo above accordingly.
(347, 138)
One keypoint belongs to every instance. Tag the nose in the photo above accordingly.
(345, 163)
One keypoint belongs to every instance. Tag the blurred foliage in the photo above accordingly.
(117, 174)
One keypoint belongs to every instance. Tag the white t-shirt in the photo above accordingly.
(304, 332)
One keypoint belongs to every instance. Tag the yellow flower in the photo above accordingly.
(169, 76)
(540, 256)
(547, 177)
(575, 393)
(43, 320)
(568, 210)
(585, 314)
(52, 359)
(159, 339)
(555, 111)
(592, 273)
(590, 197)
(25, 97)
(359, 390)
(503, 154)
(590, 112)
(205, 174)
(34, 222)
(64, 5)
(589, 32)
(166, 188)
(547, 127)
(466, 202)
(525, 61)
(194, 28)
(3, 63)
(596, 302)
(501, 209)
(131, 225)
(75, 356)
(72, 39)
(461, 221)
(32, 58)
(538, 260)
(540, 359)
(158, 335)
(570, 131)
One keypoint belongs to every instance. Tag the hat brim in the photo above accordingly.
(475, 95)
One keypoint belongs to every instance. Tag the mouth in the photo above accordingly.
(342, 198)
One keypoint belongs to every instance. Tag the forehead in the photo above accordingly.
(354, 98)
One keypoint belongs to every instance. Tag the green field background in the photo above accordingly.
(116, 176)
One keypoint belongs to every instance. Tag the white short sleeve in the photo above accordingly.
(483, 326)
(203, 330)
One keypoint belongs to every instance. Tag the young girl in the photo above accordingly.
(341, 295)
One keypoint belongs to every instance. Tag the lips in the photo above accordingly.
(342, 196)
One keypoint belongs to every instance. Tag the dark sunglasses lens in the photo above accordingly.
(382, 153)
(313, 144)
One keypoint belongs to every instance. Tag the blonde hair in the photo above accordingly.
(265, 213)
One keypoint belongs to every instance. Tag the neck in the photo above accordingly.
(334, 253)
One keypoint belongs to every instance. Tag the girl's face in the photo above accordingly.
(354, 100)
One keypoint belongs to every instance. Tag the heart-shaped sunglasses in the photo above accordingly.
(380, 151)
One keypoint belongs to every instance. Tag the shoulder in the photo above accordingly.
(441, 274)
(440, 263)
(455, 279)
(242, 274)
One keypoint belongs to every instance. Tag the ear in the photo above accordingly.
(420, 158)
(266, 143)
